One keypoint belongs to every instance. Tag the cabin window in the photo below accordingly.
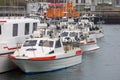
(64, 34)
(49, 32)
(30, 43)
(64, 20)
(46, 43)
(0, 30)
(26, 28)
(58, 44)
(34, 27)
(15, 29)
(73, 34)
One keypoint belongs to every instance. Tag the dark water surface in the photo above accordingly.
(101, 64)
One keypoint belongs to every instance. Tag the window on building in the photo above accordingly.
(26, 28)
(15, 29)
(76, 1)
(34, 27)
(117, 2)
(0, 30)
(58, 44)
(82, 1)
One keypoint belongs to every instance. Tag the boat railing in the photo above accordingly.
(12, 17)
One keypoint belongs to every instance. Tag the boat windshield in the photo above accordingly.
(64, 34)
(49, 32)
(88, 25)
(72, 23)
(73, 34)
(85, 18)
(63, 20)
(30, 43)
(46, 43)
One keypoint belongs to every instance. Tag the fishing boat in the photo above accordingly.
(75, 33)
(88, 38)
(94, 30)
(13, 32)
(43, 54)
(88, 44)
(70, 35)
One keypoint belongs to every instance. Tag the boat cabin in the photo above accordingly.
(85, 18)
(41, 46)
(71, 35)
(14, 31)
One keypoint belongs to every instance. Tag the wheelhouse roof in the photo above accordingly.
(17, 20)
(44, 38)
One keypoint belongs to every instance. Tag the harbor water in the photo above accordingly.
(100, 64)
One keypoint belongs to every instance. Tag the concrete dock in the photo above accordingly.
(109, 17)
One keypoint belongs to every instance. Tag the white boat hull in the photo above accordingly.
(89, 47)
(6, 64)
(31, 66)
(99, 35)
(96, 35)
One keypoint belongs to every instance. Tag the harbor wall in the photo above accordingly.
(109, 17)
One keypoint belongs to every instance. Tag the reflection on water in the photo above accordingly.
(101, 64)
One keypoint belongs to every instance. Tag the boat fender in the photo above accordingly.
(78, 52)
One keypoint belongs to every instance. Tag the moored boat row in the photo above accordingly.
(74, 38)
(46, 54)
(60, 48)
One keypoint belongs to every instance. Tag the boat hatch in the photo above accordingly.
(46, 43)
(30, 43)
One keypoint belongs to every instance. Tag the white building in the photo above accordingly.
(87, 3)
(83, 2)
(33, 7)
